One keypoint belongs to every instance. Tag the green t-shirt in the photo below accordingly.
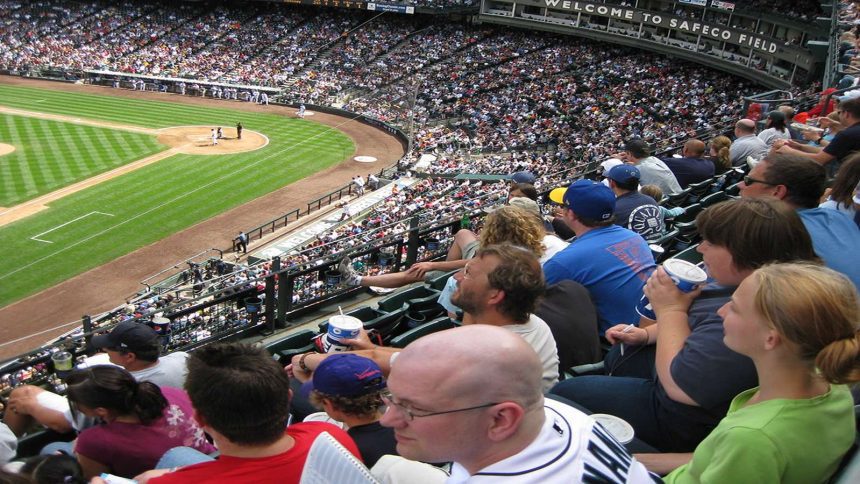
(777, 441)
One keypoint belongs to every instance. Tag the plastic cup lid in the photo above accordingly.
(685, 270)
(618, 427)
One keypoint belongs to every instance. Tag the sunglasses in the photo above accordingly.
(748, 180)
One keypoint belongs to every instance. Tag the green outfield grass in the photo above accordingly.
(51, 155)
(91, 227)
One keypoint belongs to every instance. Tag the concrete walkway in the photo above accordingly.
(309, 232)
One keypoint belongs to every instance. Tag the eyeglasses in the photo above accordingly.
(748, 180)
(389, 400)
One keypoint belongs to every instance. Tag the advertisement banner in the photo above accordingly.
(390, 7)
(722, 5)
(700, 3)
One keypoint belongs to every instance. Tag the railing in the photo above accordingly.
(166, 281)
(269, 227)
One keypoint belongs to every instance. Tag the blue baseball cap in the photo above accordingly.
(587, 199)
(346, 375)
(624, 174)
(523, 177)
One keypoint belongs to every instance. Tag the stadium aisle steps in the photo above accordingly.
(309, 232)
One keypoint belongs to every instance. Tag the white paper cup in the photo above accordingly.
(686, 275)
(341, 328)
(618, 427)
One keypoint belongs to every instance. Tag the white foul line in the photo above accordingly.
(37, 239)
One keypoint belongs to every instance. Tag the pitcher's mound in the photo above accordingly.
(197, 140)
(6, 149)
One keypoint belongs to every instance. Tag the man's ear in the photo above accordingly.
(780, 191)
(497, 298)
(507, 417)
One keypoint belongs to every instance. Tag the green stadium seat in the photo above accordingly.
(438, 283)
(439, 324)
(396, 301)
(714, 198)
(699, 190)
(293, 344)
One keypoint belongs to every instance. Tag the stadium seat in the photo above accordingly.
(568, 311)
(677, 200)
(438, 283)
(689, 215)
(698, 190)
(439, 324)
(396, 301)
(735, 175)
(385, 323)
(297, 343)
(733, 189)
(714, 198)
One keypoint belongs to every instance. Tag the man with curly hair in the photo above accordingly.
(500, 286)
(348, 388)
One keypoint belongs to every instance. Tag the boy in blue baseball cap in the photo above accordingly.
(349, 389)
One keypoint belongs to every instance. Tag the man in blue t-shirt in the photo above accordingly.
(800, 182)
(612, 262)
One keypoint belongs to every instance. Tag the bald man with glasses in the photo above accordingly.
(472, 396)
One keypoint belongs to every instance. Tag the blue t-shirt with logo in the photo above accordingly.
(613, 263)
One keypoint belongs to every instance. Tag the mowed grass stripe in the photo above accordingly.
(160, 199)
(53, 154)
(154, 114)
(51, 172)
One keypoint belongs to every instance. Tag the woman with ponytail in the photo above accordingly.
(140, 421)
(798, 323)
(719, 154)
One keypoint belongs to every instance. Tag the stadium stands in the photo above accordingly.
(487, 101)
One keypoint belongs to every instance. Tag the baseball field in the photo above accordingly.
(88, 178)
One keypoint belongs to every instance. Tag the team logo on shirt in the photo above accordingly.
(647, 221)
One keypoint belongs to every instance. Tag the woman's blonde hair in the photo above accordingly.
(515, 226)
(818, 310)
(721, 145)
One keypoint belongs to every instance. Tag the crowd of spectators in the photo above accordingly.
(474, 101)
(543, 103)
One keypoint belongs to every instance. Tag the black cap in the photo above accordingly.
(128, 335)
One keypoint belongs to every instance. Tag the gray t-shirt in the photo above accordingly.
(655, 172)
(750, 145)
(169, 371)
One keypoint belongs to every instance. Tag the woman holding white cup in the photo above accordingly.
(800, 325)
(676, 378)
